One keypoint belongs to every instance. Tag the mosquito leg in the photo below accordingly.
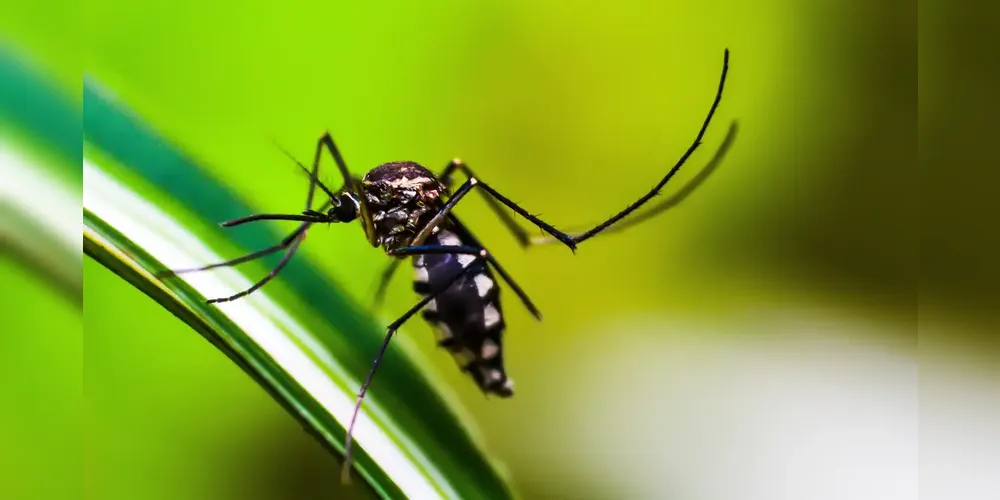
(544, 226)
(671, 202)
(519, 233)
(463, 190)
(473, 266)
(438, 249)
(418, 239)
(479, 251)
(384, 280)
(391, 269)
(292, 241)
(313, 179)
(300, 231)
(466, 234)
(306, 217)
(471, 249)
(326, 141)
(469, 185)
(310, 215)
(567, 239)
(656, 189)
(246, 258)
(274, 272)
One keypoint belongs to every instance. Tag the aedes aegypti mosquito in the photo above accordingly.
(407, 210)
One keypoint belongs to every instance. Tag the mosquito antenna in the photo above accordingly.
(308, 173)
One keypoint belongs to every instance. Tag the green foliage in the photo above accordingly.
(148, 207)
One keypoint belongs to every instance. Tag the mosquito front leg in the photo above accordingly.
(274, 272)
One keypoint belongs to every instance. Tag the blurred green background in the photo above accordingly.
(754, 341)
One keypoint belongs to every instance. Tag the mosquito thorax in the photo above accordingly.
(402, 197)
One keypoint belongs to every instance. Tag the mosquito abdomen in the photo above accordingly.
(467, 317)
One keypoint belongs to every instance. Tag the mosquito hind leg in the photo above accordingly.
(516, 230)
(668, 203)
(473, 266)
(390, 270)
(569, 240)
(498, 268)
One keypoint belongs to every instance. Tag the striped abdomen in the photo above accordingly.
(467, 316)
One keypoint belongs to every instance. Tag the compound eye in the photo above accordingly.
(347, 208)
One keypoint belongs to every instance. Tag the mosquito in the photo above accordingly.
(407, 210)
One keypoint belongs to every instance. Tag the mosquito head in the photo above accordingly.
(346, 208)
(401, 198)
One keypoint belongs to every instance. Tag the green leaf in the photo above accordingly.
(148, 207)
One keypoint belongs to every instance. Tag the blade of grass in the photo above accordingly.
(130, 261)
(309, 351)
